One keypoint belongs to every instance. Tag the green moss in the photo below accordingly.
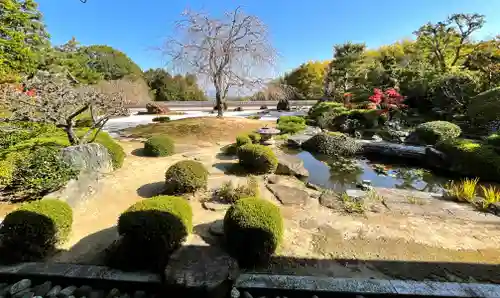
(34, 230)
(255, 137)
(430, 133)
(186, 176)
(159, 146)
(114, 149)
(294, 119)
(332, 145)
(253, 229)
(321, 107)
(243, 140)
(257, 159)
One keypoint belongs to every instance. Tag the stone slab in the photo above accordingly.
(289, 195)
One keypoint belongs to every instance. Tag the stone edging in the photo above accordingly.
(277, 285)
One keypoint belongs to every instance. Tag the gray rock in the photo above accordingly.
(217, 228)
(235, 293)
(313, 186)
(43, 289)
(388, 149)
(26, 293)
(20, 286)
(204, 267)
(330, 200)
(377, 138)
(289, 195)
(96, 294)
(66, 292)
(83, 291)
(273, 179)
(247, 295)
(494, 208)
(214, 206)
(54, 291)
(113, 293)
(4, 289)
(291, 165)
(91, 161)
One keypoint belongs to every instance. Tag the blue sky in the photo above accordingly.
(300, 30)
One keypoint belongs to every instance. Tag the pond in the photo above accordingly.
(380, 174)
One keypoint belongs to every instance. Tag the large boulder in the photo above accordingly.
(91, 161)
(156, 109)
(291, 165)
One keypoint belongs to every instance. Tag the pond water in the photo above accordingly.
(381, 175)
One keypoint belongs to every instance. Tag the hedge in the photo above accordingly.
(485, 107)
(255, 137)
(291, 126)
(253, 229)
(294, 119)
(257, 159)
(185, 176)
(159, 146)
(243, 139)
(151, 230)
(332, 144)
(472, 159)
(33, 231)
(430, 133)
(321, 107)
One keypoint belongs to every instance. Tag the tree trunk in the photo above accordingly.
(218, 103)
(73, 139)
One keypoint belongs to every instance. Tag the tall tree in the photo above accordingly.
(22, 34)
(168, 88)
(308, 78)
(111, 63)
(231, 52)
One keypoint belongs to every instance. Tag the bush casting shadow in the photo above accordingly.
(151, 189)
(27, 236)
(148, 238)
(223, 156)
(231, 168)
(139, 152)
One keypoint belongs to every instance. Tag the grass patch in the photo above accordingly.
(352, 205)
(415, 201)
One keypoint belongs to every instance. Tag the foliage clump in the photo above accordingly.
(34, 230)
(332, 145)
(151, 230)
(227, 193)
(429, 133)
(185, 176)
(161, 119)
(257, 159)
(291, 124)
(253, 229)
(159, 146)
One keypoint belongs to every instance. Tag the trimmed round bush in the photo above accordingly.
(430, 133)
(257, 159)
(253, 229)
(255, 137)
(159, 146)
(294, 119)
(161, 119)
(151, 230)
(332, 144)
(471, 159)
(33, 231)
(243, 140)
(186, 176)
(290, 127)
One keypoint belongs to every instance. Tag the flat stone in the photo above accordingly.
(217, 228)
(247, 295)
(83, 291)
(66, 292)
(54, 291)
(43, 289)
(289, 195)
(205, 267)
(273, 179)
(214, 206)
(291, 165)
(313, 186)
(20, 286)
(26, 293)
(330, 200)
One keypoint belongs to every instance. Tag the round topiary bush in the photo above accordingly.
(33, 231)
(253, 229)
(151, 230)
(332, 144)
(159, 146)
(430, 133)
(257, 159)
(255, 137)
(243, 140)
(185, 176)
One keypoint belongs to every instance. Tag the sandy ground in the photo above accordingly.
(318, 240)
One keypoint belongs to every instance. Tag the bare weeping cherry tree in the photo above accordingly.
(232, 52)
(51, 98)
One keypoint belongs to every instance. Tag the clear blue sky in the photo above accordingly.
(300, 30)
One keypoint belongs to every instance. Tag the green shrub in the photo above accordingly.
(13, 133)
(33, 231)
(294, 119)
(485, 107)
(253, 229)
(161, 119)
(327, 119)
(257, 159)
(34, 172)
(114, 149)
(332, 144)
(321, 107)
(255, 137)
(185, 177)
(230, 149)
(430, 133)
(159, 146)
(290, 127)
(493, 140)
(243, 140)
(151, 230)
(227, 193)
(472, 159)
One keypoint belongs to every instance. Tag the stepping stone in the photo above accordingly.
(217, 228)
(289, 196)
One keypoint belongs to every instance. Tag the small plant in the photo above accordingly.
(257, 159)
(227, 193)
(491, 195)
(414, 200)
(159, 146)
(352, 205)
(373, 195)
(464, 191)
(186, 176)
(161, 119)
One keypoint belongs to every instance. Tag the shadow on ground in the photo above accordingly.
(151, 189)
(139, 152)
(223, 156)
(203, 230)
(231, 168)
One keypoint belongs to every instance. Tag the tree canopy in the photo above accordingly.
(308, 79)
(166, 87)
